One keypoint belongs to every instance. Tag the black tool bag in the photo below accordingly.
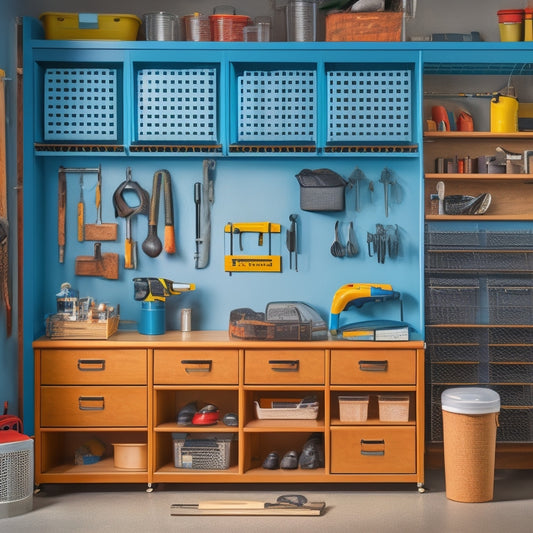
(321, 190)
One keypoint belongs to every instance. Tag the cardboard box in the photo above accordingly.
(377, 26)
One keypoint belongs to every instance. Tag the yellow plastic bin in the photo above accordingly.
(470, 419)
(511, 24)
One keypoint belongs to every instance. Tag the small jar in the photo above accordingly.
(67, 302)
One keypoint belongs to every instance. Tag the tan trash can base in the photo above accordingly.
(469, 456)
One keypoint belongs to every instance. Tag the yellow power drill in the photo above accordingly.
(158, 289)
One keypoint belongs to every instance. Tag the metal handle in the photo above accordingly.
(373, 366)
(207, 362)
(372, 443)
(83, 399)
(91, 365)
(294, 365)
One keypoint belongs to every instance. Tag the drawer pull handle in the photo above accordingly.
(82, 400)
(380, 442)
(291, 365)
(91, 365)
(373, 366)
(204, 362)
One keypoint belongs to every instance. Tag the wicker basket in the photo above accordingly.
(286, 413)
(383, 26)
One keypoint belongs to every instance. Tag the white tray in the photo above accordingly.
(287, 413)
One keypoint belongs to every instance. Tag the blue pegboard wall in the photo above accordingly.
(81, 104)
(368, 105)
(177, 105)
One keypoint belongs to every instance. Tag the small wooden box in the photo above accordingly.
(67, 329)
(376, 26)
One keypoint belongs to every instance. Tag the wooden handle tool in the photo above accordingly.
(81, 213)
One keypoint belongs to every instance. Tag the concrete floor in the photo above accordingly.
(350, 508)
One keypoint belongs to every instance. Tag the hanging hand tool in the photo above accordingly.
(292, 241)
(81, 214)
(100, 231)
(170, 236)
(102, 265)
(124, 210)
(387, 180)
(355, 178)
(337, 249)
(204, 197)
(152, 246)
(4, 225)
(351, 246)
(61, 212)
(252, 263)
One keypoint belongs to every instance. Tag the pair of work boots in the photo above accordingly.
(311, 457)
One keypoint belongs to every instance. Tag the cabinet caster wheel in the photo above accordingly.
(36, 491)
(421, 488)
(149, 489)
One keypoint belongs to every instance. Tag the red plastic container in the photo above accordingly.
(228, 27)
(510, 15)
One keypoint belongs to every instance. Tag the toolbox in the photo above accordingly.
(81, 26)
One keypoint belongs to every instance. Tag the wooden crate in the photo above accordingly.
(67, 329)
(377, 26)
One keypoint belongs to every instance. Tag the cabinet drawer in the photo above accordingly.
(98, 406)
(373, 367)
(88, 367)
(196, 367)
(284, 367)
(373, 450)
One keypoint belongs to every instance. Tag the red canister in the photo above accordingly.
(228, 27)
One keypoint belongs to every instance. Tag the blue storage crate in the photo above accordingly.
(277, 106)
(177, 105)
(81, 104)
(369, 105)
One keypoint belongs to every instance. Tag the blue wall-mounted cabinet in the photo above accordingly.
(263, 114)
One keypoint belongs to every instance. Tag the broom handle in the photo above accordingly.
(3, 180)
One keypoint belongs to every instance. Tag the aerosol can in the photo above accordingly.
(153, 292)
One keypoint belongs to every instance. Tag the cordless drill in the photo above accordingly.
(158, 289)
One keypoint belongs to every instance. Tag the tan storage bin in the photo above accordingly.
(130, 456)
(393, 407)
(353, 408)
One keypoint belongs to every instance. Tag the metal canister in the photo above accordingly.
(186, 317)
(161, 26)
(302, 20)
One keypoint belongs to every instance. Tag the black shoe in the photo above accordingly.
(271, 461)
(186, 414)
(312, 455)
(290, 461)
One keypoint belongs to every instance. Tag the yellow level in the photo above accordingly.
(252, 227)
(252, 263)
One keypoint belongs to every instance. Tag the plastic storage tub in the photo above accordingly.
(393, 408)
(353, 408)
(80, 26)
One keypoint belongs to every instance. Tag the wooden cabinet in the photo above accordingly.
(83, 393)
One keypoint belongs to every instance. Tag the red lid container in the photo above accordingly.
(228, 27)
(510, 15)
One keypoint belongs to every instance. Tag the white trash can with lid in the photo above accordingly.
(469, 419)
